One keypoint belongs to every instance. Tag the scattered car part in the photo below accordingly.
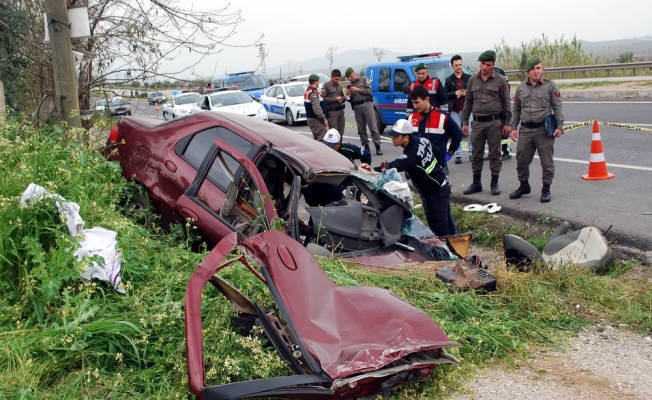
(341, 342)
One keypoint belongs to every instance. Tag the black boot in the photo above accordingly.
(545, 193)
(378, 151)
(523, 189)
(366, 148)
(495, 189)
(475, 187)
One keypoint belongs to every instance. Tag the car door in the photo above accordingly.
(400, 83)
(268, 100)
(202, 104)
(228, 194)
(384, 96)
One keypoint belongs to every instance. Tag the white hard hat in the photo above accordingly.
(332, 138)
(401, 127)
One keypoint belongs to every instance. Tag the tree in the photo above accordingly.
(330, 56)
(379, 53)
(626, 57)
(130, 39)
(12, 59)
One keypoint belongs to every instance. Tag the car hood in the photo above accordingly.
(246, 108)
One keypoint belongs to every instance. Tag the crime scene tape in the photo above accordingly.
(630, 127)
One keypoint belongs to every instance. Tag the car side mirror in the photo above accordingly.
(205, 107)
(280, 96)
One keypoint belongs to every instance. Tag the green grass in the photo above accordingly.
(67, 339)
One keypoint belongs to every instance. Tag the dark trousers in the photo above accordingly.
(491, 133)
(529, 141)
(438, 211)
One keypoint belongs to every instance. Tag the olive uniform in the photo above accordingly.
(331, 92)
(365, 115)
(531, 104)
(316, 112)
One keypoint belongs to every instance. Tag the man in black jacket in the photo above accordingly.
(455, 86)
(419, 159)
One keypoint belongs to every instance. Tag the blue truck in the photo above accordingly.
(390, 79)
(249, 82)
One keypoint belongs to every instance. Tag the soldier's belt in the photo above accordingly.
(486, 118)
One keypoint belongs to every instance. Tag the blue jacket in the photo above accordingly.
(353, 152)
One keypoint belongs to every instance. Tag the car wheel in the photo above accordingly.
(289, 117)
(129, 113)
(379, 123)
(149, 102)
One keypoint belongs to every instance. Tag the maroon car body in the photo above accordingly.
(230, 173)
(341, 342)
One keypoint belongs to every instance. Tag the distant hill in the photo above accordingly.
(607, 51)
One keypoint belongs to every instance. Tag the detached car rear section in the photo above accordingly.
(339, 342)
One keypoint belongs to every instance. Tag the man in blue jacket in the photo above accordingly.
(419, 159)
(348, 150)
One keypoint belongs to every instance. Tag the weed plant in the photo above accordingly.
(63, 338)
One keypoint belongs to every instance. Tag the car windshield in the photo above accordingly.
(118, 102)
(156, 94)
(101, 103)
(187, 99)
(229, 99)
(439, 70)
(296, 90)
(251, 82)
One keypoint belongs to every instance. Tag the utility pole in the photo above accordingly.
(262, 55)
(289, 68)
(63, 62)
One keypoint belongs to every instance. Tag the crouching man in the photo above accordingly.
(424, 164)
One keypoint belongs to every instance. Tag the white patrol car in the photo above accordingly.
(232, 101)
(180, 104)
(285, 102)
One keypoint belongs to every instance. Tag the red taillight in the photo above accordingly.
(113, 136)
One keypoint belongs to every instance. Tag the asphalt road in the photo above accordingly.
(624, 202)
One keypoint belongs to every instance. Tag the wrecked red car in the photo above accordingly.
(230, 173)
(341, 342)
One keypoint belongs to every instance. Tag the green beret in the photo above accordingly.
(531, 62)
(348, 72)
(488, 55)
(420, 66)
(313, 77)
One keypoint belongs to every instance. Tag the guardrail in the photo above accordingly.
(588, 68)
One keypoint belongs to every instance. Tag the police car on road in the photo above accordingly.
(285, 102)
(181, 104)
(233, 101)
(389, 80)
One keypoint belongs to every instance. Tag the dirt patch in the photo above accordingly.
(603, 362)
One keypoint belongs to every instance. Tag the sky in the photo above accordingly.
(296, 30)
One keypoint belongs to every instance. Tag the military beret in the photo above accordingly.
(420, 66)
(348, 72)
(313, 77)
(531, 62)
(488, 55)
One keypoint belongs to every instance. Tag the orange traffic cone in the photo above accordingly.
(156, 108)
(597, 163)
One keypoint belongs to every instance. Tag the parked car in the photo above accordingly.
(390, 78)
(285, 102)
(155, 98)
(180, 104)
(119, 107)
(231, 173)
(249, 82)
(233, 101)
(100, 105)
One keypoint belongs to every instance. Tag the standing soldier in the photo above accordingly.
(316, 111)
(363, 107)
(456, 92)
(536, 99)
(434, 86)
(334, 98)
(487, 97)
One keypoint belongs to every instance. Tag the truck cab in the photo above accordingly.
(390, 79)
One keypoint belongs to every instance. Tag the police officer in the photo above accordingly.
(315, 106)
(362, 102)
(434, 86)
(535, 99)
(487, 97)
(333, 94)
(348, 150)
(419, 159)
(434, 124)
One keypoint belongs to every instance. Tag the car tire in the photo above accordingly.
(129, 113)
(379, 124)
(149, 102)
(289, 118)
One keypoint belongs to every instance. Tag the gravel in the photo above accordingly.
(603, 362)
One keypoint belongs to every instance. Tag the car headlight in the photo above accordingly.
(261, 110)
(297, 104)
